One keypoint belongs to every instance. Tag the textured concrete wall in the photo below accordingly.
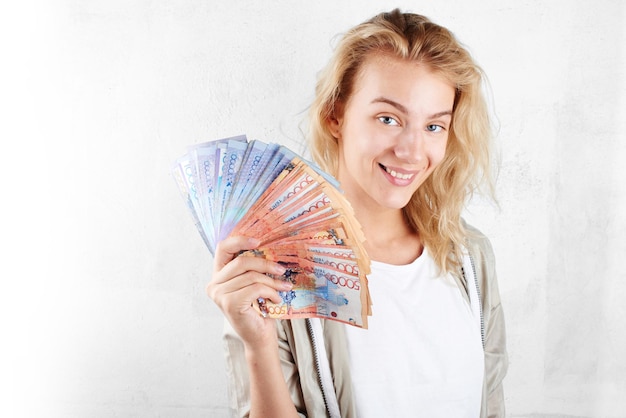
(103, 283)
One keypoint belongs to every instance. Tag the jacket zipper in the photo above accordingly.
(316, 356)
(480, 301)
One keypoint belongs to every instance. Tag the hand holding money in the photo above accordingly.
(236, 284)
(300, 220)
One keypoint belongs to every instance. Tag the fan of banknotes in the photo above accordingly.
(238, 187)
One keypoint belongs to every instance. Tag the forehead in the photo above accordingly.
(405, 81)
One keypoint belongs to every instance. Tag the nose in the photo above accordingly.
(410, 146)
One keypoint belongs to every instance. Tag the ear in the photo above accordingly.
(334, 126)
(334, 118)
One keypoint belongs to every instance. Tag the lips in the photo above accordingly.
(397, 174)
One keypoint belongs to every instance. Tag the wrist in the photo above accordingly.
(261, 349)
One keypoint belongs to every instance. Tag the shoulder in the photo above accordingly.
(483, 261)
(478, 244)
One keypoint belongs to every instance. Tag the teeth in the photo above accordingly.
(398, 175)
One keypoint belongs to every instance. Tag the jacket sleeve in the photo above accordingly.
(237, 373)
(496, 359)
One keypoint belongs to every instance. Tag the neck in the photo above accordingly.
(389, 239)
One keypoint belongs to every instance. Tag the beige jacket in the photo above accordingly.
(302, 374)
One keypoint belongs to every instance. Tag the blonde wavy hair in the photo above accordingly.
(434, 211)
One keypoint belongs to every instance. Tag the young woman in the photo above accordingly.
(399, 119)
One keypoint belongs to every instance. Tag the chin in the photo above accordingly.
(397, 203)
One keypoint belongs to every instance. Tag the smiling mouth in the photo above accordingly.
(397, 175)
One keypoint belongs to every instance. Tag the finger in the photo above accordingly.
(228, 248)
(241, 265)
(252, 278)
(244, 299)
(218, 291)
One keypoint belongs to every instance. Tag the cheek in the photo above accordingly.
(439, 153)
(441, 156)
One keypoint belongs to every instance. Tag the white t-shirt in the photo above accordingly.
(422, 355)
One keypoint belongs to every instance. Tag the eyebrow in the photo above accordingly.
(404, 110)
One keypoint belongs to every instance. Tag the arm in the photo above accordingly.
(238, 375)
(269, 395)
(496, 359)
(496, 362)
(236, 284)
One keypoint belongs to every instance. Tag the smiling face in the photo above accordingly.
(392, 132)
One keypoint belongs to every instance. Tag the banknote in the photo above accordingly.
(318, 291)
(233, 186)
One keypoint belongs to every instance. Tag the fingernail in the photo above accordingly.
(254, 242)
(286, 285)
(278, 269)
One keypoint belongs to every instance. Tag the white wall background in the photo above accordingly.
(102, 298)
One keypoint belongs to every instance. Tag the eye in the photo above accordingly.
(434, 128)
(388, 120)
